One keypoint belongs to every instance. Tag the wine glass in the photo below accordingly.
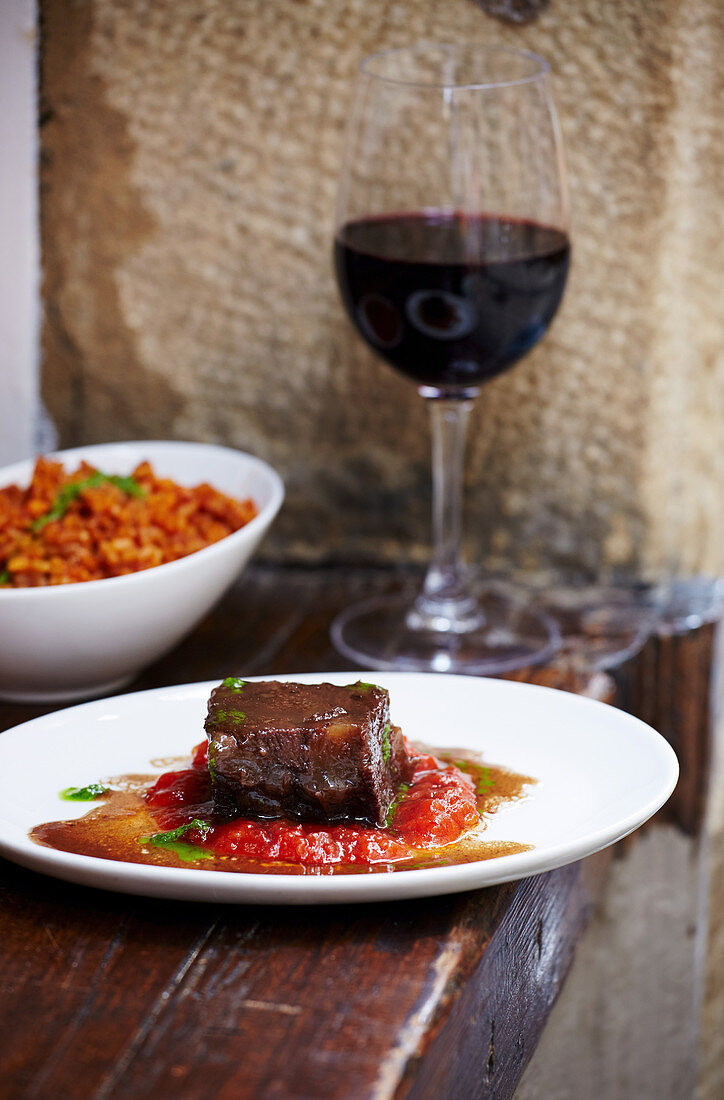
(451, 255)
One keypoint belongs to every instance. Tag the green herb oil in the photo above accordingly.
(83, 794)
(183, 849)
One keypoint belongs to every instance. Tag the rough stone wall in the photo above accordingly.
(190, 158)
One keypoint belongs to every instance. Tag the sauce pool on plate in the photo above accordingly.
(437, 819)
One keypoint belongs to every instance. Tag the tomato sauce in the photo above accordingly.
(435, 809)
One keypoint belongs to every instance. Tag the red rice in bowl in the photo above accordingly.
(108, 528)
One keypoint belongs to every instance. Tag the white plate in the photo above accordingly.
(601, 774)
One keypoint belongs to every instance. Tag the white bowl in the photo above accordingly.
(71, 641)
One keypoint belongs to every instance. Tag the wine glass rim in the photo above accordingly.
(543, 68)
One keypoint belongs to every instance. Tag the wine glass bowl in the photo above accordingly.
(451, 256)
(449, 321)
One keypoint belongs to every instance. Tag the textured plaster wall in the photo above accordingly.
(190, 157)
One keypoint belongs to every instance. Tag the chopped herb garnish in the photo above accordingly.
(212, 764)
(402, 791)
(172, 840)
(235, 716)
(480, 775)
(83, 794)
(233, 683)
(71, 492)
(168, 840)
(362, 686)
(386, 748)
(483, 781)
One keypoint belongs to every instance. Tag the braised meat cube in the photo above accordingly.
(310, 752)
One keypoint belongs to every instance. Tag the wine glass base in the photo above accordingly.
(376, 634)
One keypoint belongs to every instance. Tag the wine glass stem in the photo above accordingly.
(447, 601)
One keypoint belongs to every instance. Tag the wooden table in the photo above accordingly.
(103, 995)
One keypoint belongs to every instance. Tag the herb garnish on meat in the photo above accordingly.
(234, 683)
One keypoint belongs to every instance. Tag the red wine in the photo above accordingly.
(447, 298)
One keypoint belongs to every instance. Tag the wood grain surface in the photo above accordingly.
(673, 692)
(109, 996)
